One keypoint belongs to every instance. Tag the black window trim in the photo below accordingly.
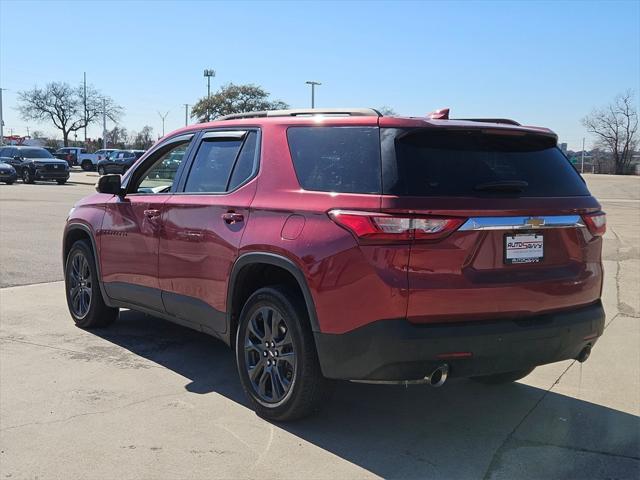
(150, 159)
(220, 134)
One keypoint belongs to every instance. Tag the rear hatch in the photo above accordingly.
(501, 223)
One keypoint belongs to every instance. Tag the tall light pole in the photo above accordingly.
(104, 123)
(313, 92)
(1, 119)
(163, 117)
(582, 160)
(209, 73)
(84, 99)
(186, 114)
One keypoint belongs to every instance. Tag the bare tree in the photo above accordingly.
(387, 111)
(616, 127)
(143, 140)
(117, 137)
(63, 105)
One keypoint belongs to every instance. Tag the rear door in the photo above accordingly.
(203, 224)
(517, 242)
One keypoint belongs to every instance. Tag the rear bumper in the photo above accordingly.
(8, 177)
(399, 350)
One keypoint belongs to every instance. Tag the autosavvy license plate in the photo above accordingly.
(527, 248)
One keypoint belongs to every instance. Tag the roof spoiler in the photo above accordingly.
(506, 121)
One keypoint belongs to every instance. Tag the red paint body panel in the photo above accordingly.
(129, 240)
(198, 248)
(191, 250)
(463, 277)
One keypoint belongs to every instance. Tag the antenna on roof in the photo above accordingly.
(441, 114)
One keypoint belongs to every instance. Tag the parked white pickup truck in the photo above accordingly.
(79, 156)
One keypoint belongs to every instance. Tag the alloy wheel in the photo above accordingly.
(80, 283)
(270, 358)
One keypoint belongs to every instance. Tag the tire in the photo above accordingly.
(26, 176)
(9, 182)
(100, 171)
(290, 389)
(86, 165)
(500, 378)
(86, 306)
(61, 182)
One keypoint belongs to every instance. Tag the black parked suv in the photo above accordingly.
(35, 163)
(119, 161)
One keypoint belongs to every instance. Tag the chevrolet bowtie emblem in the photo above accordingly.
(534, 222)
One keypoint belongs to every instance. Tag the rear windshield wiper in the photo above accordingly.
(502, 186)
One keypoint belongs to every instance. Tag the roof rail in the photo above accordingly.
(508, 121)
(305, 112)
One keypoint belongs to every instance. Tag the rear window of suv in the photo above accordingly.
(336, 159)
(473, 163)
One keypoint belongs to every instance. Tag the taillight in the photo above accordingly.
(385, 227)
(596, 223)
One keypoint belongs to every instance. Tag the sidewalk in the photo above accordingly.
(83, 178)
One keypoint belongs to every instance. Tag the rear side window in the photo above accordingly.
(336, 159)
(212, 165)
(473, 163)
(246, 163)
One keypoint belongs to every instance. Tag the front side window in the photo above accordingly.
(336, 159)
(160, 176)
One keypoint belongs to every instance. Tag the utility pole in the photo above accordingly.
(28, 134)
(186, 114)
(1, 119)
(209, 73)
(163, 117)
(313, 92)
(582, 161)
(85, 108)
(104, 123)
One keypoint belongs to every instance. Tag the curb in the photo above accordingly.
(80, 183)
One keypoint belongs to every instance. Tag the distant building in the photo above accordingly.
(563, 147)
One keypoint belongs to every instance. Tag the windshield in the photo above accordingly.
(34, 153)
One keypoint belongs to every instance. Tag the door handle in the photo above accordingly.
(191, 236)
(152, 214)
(232, 217)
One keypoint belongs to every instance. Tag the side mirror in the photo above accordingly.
(110, 184)
(17, 158)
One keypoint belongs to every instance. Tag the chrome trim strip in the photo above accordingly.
(522, 223)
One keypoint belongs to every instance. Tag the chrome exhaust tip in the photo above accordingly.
(438, 376)
(584, 354)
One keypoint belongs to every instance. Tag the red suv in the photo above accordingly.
(343, 244)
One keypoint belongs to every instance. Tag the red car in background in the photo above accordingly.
(342, 244)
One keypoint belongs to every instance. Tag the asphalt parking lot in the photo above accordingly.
(149, 399)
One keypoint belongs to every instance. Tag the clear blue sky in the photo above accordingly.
(542, 63)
